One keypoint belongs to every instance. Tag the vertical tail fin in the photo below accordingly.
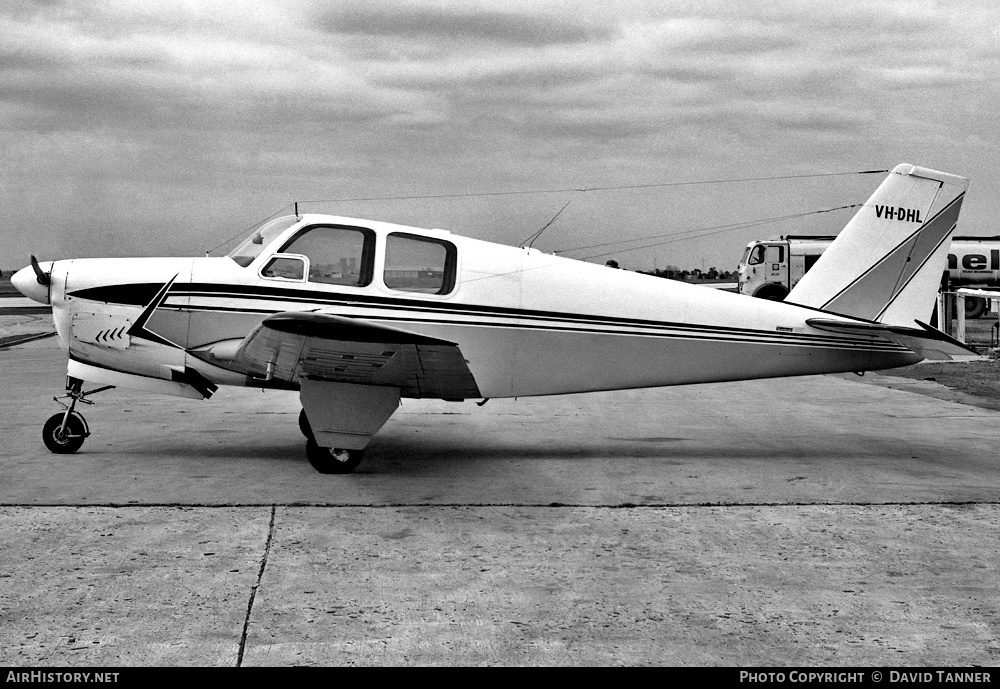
(886, 264)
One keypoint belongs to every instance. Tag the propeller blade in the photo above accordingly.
(43, 278)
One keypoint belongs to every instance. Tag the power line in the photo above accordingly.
(621, 187)
(651, 185)
(694, 234)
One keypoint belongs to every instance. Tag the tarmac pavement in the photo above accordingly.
(812, 521)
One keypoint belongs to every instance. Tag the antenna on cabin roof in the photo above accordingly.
(531, 240)
(296, 209)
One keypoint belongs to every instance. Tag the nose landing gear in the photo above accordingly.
(65, 432)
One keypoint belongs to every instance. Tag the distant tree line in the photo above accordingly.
(694, 275)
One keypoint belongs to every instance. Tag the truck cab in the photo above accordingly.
(770, 268)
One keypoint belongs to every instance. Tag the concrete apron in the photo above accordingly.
(784, 585)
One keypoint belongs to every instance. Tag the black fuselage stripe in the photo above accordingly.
(548, 317)
(552, 320)
(777, 339)
(300, 296)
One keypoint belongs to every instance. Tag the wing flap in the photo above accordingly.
(293, 346)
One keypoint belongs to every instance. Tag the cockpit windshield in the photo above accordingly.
(260, 236)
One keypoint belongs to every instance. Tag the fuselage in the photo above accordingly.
(527, 323)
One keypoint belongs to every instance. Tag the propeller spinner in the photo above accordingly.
(33, 282)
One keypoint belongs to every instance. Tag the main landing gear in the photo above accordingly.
(65, 432)
(328, 460)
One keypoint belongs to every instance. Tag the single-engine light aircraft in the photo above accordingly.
(356, 314)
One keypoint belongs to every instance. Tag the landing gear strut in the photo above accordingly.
(328, 460)
(65, 432)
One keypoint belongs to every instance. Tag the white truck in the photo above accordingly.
(770, 268)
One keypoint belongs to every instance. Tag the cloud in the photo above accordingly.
(263, 100)
(447, 26)
(203, 96)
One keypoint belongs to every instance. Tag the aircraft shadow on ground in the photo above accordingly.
(398, 450)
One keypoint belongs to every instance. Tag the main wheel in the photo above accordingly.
(304, 425)
(332, 460)
(64, 443)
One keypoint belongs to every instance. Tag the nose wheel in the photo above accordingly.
(65, 432)
(64, 435)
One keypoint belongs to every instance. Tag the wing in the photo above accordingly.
(927, 341)
(293, 346)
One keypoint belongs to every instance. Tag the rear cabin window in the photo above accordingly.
(337, 255)
(419, 264)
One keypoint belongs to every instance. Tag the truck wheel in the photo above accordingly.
(772, 292)
(975, 307)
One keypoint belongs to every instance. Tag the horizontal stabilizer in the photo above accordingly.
(927, 341)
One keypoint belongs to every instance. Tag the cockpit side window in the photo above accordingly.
(338, 255)
(419, 264)
(285, 268)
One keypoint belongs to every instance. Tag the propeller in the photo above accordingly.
(43, 278)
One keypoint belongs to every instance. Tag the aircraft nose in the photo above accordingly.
(26, 282)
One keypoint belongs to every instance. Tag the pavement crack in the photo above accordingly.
(531, 505)
(253, 589)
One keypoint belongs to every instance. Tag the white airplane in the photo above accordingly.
(356, 314)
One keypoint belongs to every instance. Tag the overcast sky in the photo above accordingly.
(141, 128)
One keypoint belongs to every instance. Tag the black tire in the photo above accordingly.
(975, 307)
(772, 292)
(76, 433)
(304, 425)
(329, 460)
